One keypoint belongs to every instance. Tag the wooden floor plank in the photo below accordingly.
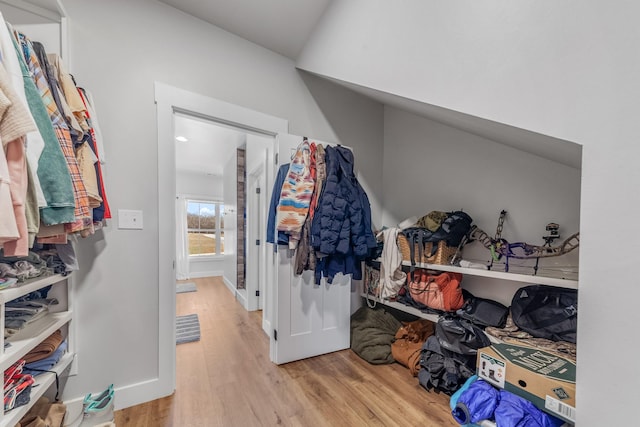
(226, 379)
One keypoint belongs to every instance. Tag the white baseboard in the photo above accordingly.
(266, 326)
(202, 274)
(127, 396)
(241, 296)
(230, 285)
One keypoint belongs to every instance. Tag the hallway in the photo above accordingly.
(226, 379)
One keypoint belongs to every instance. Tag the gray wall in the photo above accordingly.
(430, 166)
(119, 48)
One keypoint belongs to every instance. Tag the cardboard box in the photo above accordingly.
(548, 381)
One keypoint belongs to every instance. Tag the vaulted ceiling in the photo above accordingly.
(282, 26)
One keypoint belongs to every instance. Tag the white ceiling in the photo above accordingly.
(282, 26)
(209, 145)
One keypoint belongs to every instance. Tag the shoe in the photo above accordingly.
(96, 410)
(99, 412)
(89, 399)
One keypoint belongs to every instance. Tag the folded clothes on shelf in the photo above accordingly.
(45, 348)
(44, 365)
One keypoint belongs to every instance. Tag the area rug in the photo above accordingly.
(187, 328)
(185, 287)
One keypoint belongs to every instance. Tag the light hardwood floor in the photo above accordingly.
(226, 379)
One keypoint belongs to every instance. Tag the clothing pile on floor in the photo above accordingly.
(443, 357)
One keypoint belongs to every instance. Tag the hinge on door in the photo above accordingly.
(275, 335)
(257, 293)
(257, 242)
(276, 158)
(258, 190)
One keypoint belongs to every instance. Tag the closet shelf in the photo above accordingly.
(26, 339)
(28, 286)
(43, 382)
(412, 310)
(514, 277)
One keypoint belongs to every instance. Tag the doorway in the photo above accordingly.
(225, 207)
(171, 101)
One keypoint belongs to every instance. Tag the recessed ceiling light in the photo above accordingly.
(181, 139)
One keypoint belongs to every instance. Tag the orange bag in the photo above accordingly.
(438, 291)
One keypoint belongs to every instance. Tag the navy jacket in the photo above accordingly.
(283, 238)
(341, 228)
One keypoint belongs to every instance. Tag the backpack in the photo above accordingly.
(484, 312)
(443, 370)
(453, 228)
(549, 312)
(440, 291)
(460, 335)
(452, 231)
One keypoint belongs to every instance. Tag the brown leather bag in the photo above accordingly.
(438, 291)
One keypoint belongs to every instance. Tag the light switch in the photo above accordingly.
(129, 219)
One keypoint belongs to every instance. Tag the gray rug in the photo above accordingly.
(187, 328)
(185, 287)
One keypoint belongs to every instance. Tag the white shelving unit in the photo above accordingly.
(33, 334)
(501, 275)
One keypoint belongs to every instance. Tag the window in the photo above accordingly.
(205, 227)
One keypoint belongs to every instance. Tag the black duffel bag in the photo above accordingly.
(484, 312)
(547, 312)
(460, 335)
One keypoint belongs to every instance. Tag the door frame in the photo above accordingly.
(170, 99)
(256, 217)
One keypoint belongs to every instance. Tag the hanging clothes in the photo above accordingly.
(282, 237)
(35, 143)
(341, 229)
(8, 225)
(75, 118)
(295, 196)
(16, 123)
(305, 254)
(83, 218)
(94, 139)
(392, 277)
(51, 170)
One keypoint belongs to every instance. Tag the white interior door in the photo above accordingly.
(310, 319)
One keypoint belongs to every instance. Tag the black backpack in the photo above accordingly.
(549, 312)
(453, 228)
(460, 335)
(443, 370)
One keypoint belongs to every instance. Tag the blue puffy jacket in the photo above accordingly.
(478, 402)
(514, 411)
(341, 227)
(481, 401)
